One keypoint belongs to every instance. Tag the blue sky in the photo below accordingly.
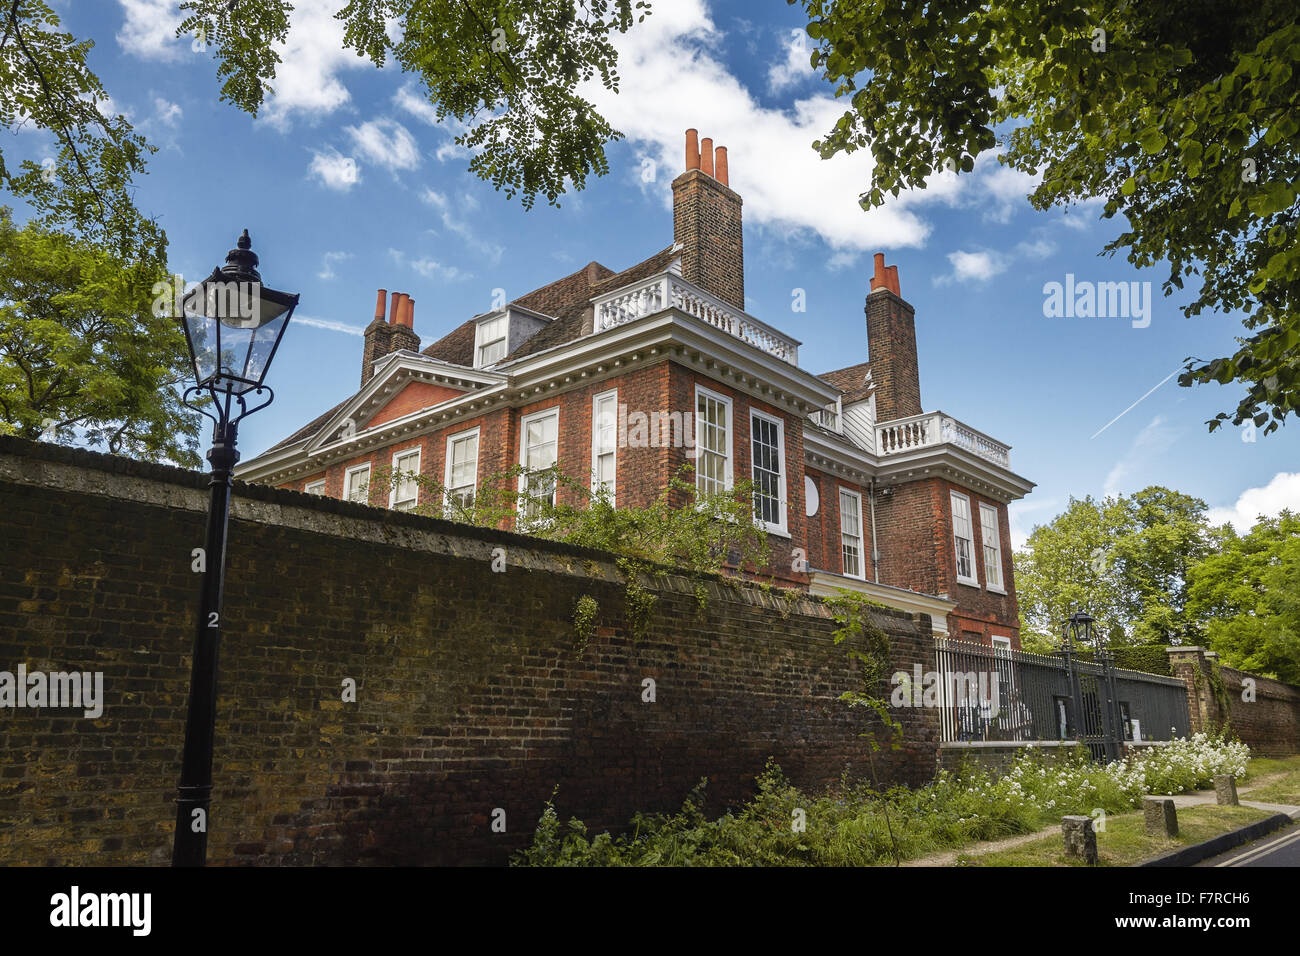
(347, 185)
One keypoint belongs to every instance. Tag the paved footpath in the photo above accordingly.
(1196, 798)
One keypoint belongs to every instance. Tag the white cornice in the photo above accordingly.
(828, 584)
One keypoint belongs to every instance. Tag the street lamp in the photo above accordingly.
(233, 325)
(1079, 630)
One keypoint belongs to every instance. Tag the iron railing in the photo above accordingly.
(997, 694)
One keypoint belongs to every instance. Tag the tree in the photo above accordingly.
(1181, 116)
(508, 70)
(1064, 568)
(1124, 560)
(1159, 534)
(46, 83)
(1248, 593)
(82, 354)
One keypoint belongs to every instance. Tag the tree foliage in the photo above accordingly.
(46, 84)
(1153, 571)
(683, 527)
(82, 355)
(507, 70)
(1124, 560)
(1180, 116)
(1248, 593)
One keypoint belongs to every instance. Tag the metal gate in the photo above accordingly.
(1094, 716)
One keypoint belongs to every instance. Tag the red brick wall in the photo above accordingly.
(914, 527)
(707, 222)
(473, 692)
(824, 547)
(891, 343)
(412, 398)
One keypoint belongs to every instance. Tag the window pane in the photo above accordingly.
(992, 545)
(712, 444)
(850, 534)
(405, 494)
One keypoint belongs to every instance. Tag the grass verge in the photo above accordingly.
(1125, 841)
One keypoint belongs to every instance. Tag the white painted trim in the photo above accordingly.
(392, 491)
(729, 465)
(347, 482)
(524, 422)
(781, 527)
(479, 341)
(829, 584)
(952, 523)
(446, 469)
(862, 538)
(307, 488)
(610, 394)
(1000, 587)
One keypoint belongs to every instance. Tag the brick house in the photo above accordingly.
(859, 488)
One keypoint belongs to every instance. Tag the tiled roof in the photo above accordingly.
(568, 324)
(565, 300)
(311, 427)
(852, 381)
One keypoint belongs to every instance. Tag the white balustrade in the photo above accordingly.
(936, 428)
(669, 290)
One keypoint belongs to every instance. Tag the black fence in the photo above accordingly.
(997, 694)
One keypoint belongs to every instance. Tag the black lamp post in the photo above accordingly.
(233, 325)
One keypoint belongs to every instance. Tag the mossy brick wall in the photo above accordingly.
(471, 693)
(1265, 714)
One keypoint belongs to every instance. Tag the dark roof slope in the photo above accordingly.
(569, 324)
(565, 300)
(852, 381)
(457, 346)
(311, 427)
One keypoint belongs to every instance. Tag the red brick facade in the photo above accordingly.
(913, 521)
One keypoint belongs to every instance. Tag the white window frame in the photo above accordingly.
(998, 586)
(970, 521)
(778, 527)
(523, 449)
(480, 343)
(392, 493)
(447, 463)
(314, 487)
(347, 483)
(1001, 641)
(597, 450)
(728, 464)
(862, 547)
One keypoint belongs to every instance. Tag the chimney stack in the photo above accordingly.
(385, 337)
(707, 222)
(891, 346)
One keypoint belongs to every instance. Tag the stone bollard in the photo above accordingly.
(1225, 790)
(1080, 840)
(1161, 817)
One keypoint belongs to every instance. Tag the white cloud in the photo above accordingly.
(671, 80)
(306, 81)
(795, 68)
(976, 266)
(489, 250)
(306, 78)
(410, 101)
(335, 170)
(1005, 189)
(385, 142)
(328, 261)
(428, 267)
(1153, 440)
(149, 30)
(1283, 491)
(167, 113)
(329, 324)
